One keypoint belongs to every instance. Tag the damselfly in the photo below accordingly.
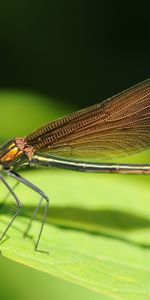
(116, 127)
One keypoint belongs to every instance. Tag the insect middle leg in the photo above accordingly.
(44, 197)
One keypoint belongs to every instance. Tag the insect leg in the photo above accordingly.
(18, 202)
(33, 217)
(38, 191)
(8, 194)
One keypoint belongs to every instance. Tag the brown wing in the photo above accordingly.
(116, 127)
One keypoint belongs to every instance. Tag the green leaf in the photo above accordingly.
(97, 231)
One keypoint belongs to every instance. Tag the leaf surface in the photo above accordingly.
(97, 231)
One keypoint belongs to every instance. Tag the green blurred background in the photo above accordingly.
(58, 56)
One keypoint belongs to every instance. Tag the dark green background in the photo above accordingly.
(78, 53)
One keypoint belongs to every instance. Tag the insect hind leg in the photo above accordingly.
(33, 217)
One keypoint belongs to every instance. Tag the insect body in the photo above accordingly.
(116, 127)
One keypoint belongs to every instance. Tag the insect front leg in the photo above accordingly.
(18, 202)
(8, 193)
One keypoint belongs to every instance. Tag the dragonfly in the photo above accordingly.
(116, 127)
